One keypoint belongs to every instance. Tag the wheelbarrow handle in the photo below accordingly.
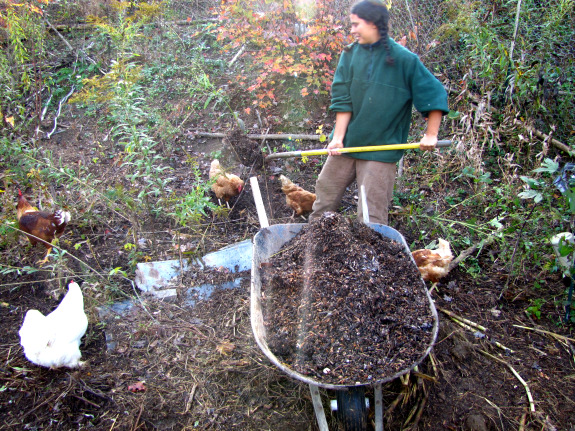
(262, 216)
(324, 151)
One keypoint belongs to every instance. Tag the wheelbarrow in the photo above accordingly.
(351, 408)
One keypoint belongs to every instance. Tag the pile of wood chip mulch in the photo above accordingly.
(345, 305)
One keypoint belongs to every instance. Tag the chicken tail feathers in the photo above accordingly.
(62, 218)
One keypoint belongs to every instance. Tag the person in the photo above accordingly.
(375, 86)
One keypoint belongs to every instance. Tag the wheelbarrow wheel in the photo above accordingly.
(351, 410)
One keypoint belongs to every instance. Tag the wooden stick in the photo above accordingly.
(114, 422)
(190, 398)
(552, 334)
(433, 286)
(469, 322)
(516, 374)
(394, 404)
(135, 426)
(425, 377)
(472, 329)
(463, 325)
(434, 366)
(522, 421)
(543, 136)
(420, 409)
(70, 46)
(240, 52)
(259, 136)
(411, 414)
(501, 346)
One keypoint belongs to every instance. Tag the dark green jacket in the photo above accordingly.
(380, 96)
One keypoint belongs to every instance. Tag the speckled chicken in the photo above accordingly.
(434, 264)
(53, 341)
(298, 199)
(225, 186)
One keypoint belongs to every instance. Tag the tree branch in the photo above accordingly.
(70, 47)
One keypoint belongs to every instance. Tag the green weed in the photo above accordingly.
(534, 309)
(191, 208)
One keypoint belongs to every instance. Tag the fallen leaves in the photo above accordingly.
(225, 348)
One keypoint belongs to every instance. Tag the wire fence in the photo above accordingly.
(521, 48)
(417, 20)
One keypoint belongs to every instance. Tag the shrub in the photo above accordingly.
(289, 46)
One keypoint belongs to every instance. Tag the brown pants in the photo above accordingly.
(339, 172)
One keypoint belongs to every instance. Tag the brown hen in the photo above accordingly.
(298, 199)
(226, 186)
(433, 264)
(40, 226)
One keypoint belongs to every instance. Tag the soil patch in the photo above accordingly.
(247, 150)
(196, 379)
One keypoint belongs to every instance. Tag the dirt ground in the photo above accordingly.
(198, 367)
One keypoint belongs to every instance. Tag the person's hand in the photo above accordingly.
(333, 146)
(428, 143)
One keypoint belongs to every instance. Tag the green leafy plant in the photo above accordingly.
(527, 69)
(69, 78)
(205, 92)
(534, 309)
(537, 188)
(120, 91)
(191, 208)
(126, 28)
(21, 59)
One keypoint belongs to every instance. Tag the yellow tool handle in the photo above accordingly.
(323, 151)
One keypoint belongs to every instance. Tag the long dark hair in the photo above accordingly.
(374, 11)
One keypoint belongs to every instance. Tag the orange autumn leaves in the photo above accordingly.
(284, 50)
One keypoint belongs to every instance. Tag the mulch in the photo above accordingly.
(345, 305)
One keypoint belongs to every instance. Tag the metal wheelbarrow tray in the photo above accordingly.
(269, 241)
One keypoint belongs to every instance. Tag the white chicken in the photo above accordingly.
(54, 340)
(433, 264)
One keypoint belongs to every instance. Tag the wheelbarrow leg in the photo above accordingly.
(318, 407)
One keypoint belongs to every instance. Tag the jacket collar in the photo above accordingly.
(371, 46)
